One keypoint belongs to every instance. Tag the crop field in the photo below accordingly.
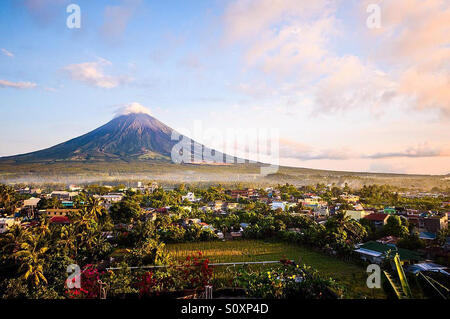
(350, 275)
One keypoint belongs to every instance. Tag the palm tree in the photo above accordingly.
(11, 240)
(31, 259)
(68, 238)
(94, 208)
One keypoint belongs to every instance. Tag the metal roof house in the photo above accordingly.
(375, 252)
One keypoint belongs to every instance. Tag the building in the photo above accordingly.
(6, 223)
(435, 223)
(31, 202)
(110, 198)
(357, 214)
(428, 222)
(61, 220)
(242, 193)
(217, 205)
(349, 198)
(377, 219)
(375, 252)
(57, 212)
(277, 204)
(29, 205)
(189, 197)
(427, 235)
(63, 195)
(415, 269)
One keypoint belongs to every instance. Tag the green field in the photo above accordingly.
(351, 276)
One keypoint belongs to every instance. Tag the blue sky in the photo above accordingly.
(342, 96)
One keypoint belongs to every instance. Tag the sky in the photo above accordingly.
(345, 88)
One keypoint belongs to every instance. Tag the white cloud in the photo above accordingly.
(421, 150)
(293, 149)
(7, 53)
(295, 43)
(131, 108)
(17, 85)
(91, 73)
(414, 41)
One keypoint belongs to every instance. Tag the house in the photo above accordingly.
(349, 198)
(57, 212)
(389, 210)
(29, 205)
(428, 221)
(67, 203)
(206, 226)
(388, 240)
(311, 202)
(236, 234)
(278, 204)
(63, 195)
(191, 221)
(244, 225)
(241, 193)
(75, 188)
(61, 220)
(375, 252)
(377, 219)
(435, 223)
(427, 236)
(416, 268)
(357, 214)
(230, 206)
(6, 223)
(217, 205)
(189, 197)
(31, 202)
(110, 198)
(321, 212)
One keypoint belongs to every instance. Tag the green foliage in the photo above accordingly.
(125, 211)
(396, 226)
(286, 281)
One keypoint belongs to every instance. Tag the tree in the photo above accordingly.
(94, 208)
(125, 210)
(395, 227)
(31, 257)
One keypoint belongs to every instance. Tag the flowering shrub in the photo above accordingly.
(286, 281)
(90, 288)
(192, 273)
(195, 272)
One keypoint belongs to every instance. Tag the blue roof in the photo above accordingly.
(427, 235)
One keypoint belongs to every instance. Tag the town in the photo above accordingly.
(132, 240)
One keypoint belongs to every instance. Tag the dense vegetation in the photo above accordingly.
(34, 259)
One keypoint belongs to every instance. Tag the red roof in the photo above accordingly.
(377, 217)
(60, 220)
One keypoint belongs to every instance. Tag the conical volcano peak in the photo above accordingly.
(134, 135)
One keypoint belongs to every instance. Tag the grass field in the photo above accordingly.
(351, 276)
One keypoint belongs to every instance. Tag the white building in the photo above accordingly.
(6, 223)
(277, 204)
(189, 196)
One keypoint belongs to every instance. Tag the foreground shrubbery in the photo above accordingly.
(287, 281)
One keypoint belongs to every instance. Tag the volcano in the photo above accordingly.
(135, 136)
